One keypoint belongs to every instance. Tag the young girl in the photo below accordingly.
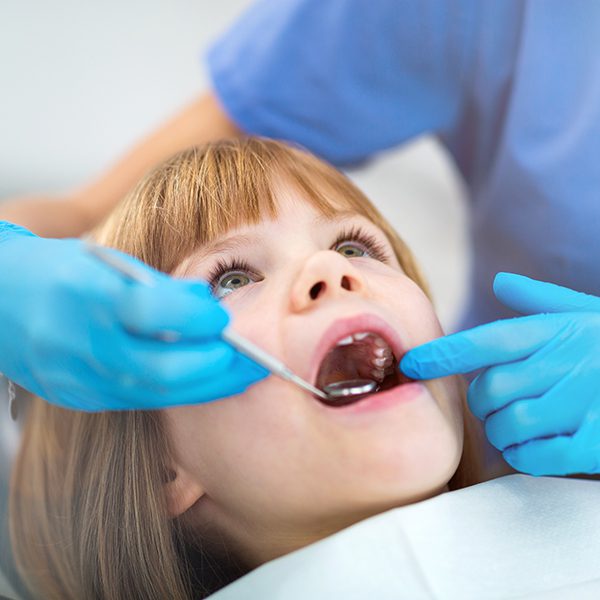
(179, 502)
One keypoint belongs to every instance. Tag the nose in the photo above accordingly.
(326, 275)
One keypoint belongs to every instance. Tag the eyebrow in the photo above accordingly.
(235, 242)
(340, 215)
(228, 244)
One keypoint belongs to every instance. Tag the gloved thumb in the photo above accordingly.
(530, 296)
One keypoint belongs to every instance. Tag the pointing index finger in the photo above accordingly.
(499, 342)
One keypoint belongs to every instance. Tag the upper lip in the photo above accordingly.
(341, 328)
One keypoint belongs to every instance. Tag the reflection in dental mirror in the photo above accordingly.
(349, 390)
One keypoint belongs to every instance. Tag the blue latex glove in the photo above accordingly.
(539, 394)
(80, 335)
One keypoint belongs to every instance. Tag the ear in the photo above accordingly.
(182, 491)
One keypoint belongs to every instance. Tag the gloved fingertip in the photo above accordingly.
(221, 318)
(506, 285)
(254, 371)
(428, 361)
(515, 456)
(474, 406)
(510, 455)
(261, 372)
(410, 367)
(200, 288)
(499, 279)
(504, 278)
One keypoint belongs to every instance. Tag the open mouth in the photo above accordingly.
(361, 356)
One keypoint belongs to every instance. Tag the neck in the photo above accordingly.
(254, 542)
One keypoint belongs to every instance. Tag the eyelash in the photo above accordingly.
(356, 234)
(376, 249)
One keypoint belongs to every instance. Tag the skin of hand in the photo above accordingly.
(79, 211)
(53, 217)
(80, 335)
(539, 391)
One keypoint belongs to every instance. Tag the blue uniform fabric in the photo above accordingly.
(511, 88)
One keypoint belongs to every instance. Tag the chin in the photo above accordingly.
(405, 465)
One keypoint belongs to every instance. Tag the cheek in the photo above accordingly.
(449, 395)
(238, 439)
(256, 314)
(425, 325)
(412, 310)
(233, 443)
(435, 439)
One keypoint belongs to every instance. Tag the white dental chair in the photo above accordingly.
(515, 537)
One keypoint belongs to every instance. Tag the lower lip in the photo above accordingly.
(381, 400)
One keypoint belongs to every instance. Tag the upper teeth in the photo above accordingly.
(381, 358)
(374, 359)
(358, 337)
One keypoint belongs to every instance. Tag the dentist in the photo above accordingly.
(512, 89)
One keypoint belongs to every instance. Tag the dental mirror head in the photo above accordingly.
(348, 389)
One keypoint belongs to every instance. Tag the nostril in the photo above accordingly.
(345, 283)
(315, 290)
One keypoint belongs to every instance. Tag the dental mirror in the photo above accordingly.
(350, 388)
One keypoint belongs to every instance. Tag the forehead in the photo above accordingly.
(283, 200)
(293, 218)
(240, 198)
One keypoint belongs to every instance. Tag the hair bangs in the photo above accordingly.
(203, 193)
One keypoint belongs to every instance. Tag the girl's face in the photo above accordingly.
(274, 469)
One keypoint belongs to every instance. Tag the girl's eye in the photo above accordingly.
(228, 277)
(351, 250)
(233, 281)
(357, 243)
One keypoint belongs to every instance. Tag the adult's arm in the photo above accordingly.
(201, 121)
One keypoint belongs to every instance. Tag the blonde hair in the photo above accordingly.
(87, 511)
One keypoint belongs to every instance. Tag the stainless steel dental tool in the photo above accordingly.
(237, 341)
(351, 388)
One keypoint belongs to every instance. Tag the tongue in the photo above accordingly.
(345, 362)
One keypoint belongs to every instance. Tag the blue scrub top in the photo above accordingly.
(511, 88)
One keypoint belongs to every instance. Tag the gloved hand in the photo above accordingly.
(539, 394)
(82, 336)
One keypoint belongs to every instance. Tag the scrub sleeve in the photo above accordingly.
(346, 78)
